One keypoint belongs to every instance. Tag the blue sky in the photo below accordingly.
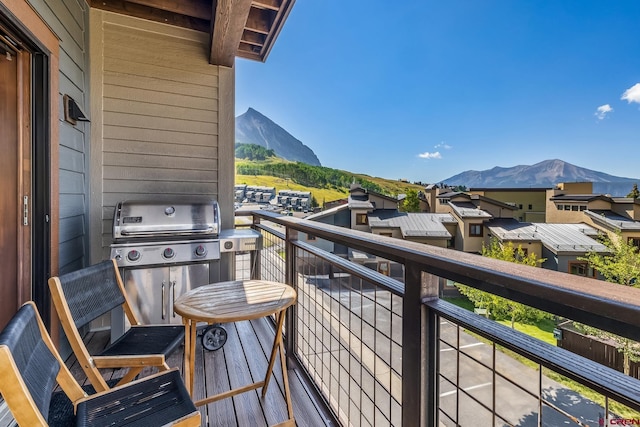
(425, 89)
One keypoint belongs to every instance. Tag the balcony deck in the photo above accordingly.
(242, 360)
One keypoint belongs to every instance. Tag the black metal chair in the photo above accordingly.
(86, 294)
(30, 368)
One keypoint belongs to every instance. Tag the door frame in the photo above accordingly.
(20, 18)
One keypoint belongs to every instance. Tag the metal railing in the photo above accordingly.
(384, 349)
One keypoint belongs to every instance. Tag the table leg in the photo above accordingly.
(190, 329)
(279, 344)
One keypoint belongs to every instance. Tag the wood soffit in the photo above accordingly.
(243, 28)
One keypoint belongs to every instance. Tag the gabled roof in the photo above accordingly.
(244, 28)
(559, 238)
(413, 224)
(613, 220)
(469, 210)
(328, 212)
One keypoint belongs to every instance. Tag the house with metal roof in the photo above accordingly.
(576, 203)
(560, 245)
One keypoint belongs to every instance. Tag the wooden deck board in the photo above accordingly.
(243, 360)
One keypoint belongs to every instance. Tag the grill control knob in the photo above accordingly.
(168, 253)
(133, 255)
(201, 251)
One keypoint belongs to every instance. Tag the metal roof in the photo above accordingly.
(556, 237)
(413, 224)
(613, 219)
(468, 210)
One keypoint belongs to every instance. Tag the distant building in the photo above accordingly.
(254, 194)
(576, 203)
(298, 200)
(530, 203)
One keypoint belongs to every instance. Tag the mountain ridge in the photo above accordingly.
(253, 127)
(543, 174)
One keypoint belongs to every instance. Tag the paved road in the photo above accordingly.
(516, 386)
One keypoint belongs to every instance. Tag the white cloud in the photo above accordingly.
(443, 145)
(632, 94)
(428, 155)
(602, 111)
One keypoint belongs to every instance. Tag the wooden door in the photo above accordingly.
(14, 181)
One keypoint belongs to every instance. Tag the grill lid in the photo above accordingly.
(149, 219)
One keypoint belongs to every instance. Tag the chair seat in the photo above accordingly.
(147, 339)
(150, 402)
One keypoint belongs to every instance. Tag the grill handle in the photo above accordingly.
(164, 305)
(207, 230)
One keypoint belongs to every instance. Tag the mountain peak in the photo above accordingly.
(253, 127)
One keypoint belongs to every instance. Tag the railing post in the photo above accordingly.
(290, 274)
(412, 372)
(255, 257)
(431, 328)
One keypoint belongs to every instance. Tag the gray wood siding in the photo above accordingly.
(69, 19)
(158, 116)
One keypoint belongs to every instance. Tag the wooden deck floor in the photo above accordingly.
(243, 360)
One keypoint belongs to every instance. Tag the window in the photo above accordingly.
(475, 230)
(583, 208)
(361, 219)
(574, 208)
(580, 268)
(559, 207)
(387, 233)
(567, 207)
(635, 241)
(530, 207)
(520, 206)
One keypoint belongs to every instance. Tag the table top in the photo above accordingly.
(232, 301)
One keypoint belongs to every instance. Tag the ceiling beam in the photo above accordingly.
(195, 8)
(152, 14)
(229, 18)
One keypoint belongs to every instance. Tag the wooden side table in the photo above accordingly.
(233, 301)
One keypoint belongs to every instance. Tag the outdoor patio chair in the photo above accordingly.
(86, 294)
(30, 368)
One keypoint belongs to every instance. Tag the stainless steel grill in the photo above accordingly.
(164, 249)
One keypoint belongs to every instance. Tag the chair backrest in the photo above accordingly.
(91, 292)
(30, 368)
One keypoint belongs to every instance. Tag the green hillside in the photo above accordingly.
(326, 184)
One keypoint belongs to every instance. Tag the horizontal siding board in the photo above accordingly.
(142, 107)
(74, 265)
(120, 65)
(159, 174)
(177, 56)
(122, 90)
(115, 133)
(159, 123)
(72, 227)
(71, 137)
(118, 78)
(71, 251)
(71, 205)
(72, 71)
(64, 26)
(71, 182)
(183, 194)
(160, 161)
(67, 87)
(71, 160)
(157, 188)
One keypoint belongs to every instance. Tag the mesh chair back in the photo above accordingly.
(91, 292)
(37, 365)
